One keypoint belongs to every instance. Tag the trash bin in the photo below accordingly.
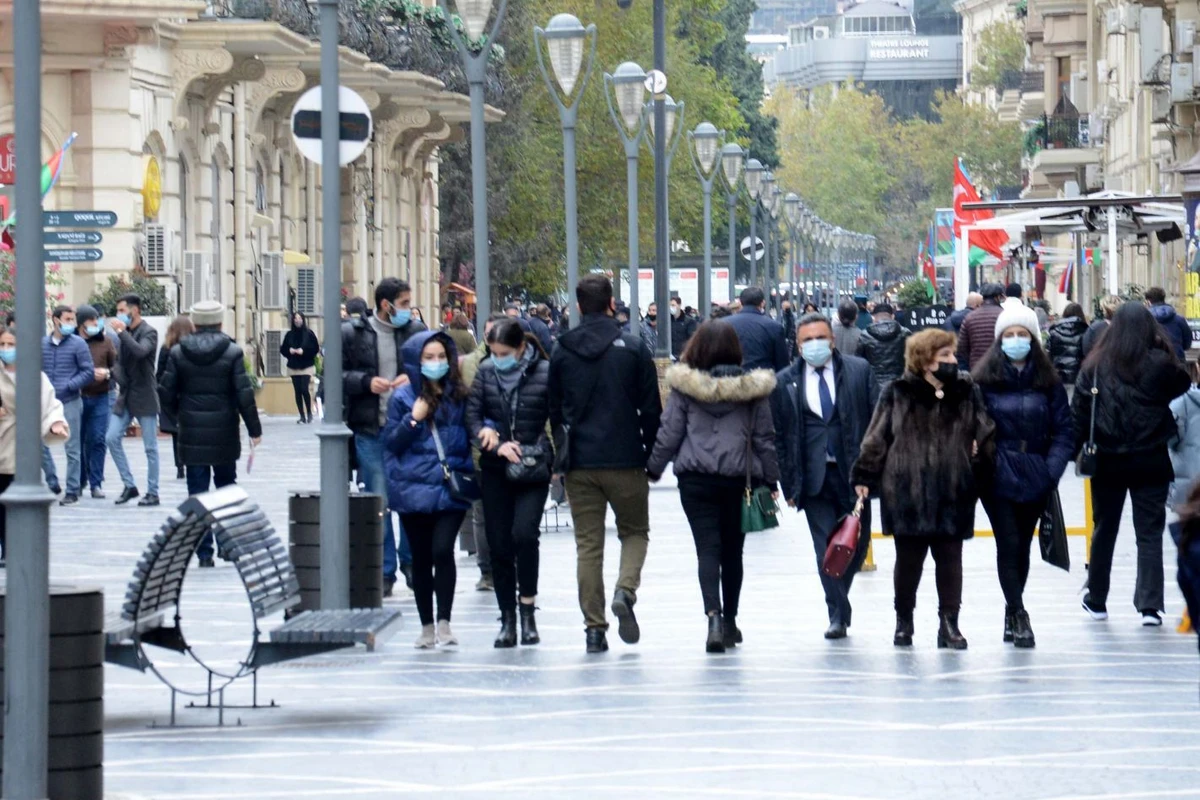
(76, 723)
(366, 549)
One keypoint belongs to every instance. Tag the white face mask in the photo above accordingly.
(676, 311)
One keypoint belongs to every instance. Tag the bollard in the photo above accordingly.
(869, 564)
(1089, 524)
(366, 549)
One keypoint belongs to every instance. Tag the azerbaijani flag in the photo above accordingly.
(990, 241)
(50, 172)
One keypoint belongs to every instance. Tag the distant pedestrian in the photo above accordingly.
(180, 327)
(787, 319)
(507, 413)
(1176, 326)
(717, 416)
(1066, 342)
(846, 333)
(97, 397)
(1185, 445)
(67, 361)
(650, 328)
(54, 428)
(958, 317)
(1108, 307)
(460, 331)
(763, 343)
(426, 418)
(1035, 440)
(978, 330)
(300, 349)
(604, 390)
(882, 345)
(682, 327)
(138, 397)
(929, 432)
(1136, 375)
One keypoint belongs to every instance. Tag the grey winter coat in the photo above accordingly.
(136, 371)
(1185, 447)
(708, 418)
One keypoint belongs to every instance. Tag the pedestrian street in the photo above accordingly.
(1097, 710)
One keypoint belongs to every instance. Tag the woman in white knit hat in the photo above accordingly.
(1034, 442)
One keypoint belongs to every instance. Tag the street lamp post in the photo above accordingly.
(791, 215)
(704, 141)
(475, 15)
(754, 181)
(672, 127)
(776, 208)
(765, 194)
(565, 38)
(628, 84)
(733, 160)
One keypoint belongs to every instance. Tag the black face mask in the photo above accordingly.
(651, 317)
(946, 373)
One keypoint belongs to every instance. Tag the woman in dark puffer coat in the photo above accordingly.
(1136, 376)
(433, 397)
(1066, 342)
(507, 412)
(716, 416)
(1035, 439)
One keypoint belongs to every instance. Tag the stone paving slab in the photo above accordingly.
(1098, 710)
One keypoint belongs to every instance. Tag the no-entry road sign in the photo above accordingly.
(354, 125)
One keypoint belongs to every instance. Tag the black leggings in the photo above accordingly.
(431, 537)
(910, 562)
(512, 517)
(1013, 525)
(713, 505)
(303, 400)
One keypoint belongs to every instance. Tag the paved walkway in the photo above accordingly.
(1098, 710)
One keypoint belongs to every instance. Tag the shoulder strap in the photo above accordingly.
(749, 444)
(437, 441)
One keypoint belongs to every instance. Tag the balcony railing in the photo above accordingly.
(1010, 79)
(1061, 132)
(1032, 82)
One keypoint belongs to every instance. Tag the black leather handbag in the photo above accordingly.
(533, 467)
(463, 486)
(1085, 462)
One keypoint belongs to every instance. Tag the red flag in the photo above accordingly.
(930, 270)
(990, 241)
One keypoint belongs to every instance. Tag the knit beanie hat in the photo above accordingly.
(1016, 313)
(207, 313)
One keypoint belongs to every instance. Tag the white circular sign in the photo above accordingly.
(354, 128)
(656, 81)
(759, 247)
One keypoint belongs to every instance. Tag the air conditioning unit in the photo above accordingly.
(1160, 106)
(273, 296)
(158, 249)
(1134, 18)
(1185, 37)
(272, 357)
(1152, 46)
(1079, 92)
(197, 278)
(1093, 177)
(1112, 21)
(308, 290)
(1183, 82)
(820, 32)
(1096, 128)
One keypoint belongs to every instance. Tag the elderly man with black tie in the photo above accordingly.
(822, 405)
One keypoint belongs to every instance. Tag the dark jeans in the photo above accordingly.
(1149, 521)
(431, 537)
(1013, 525)
(823, 511)
(713, 505)
(198, 477)
(5, 482)
(300, 385)
(96, 411)
(512, 516)
(910, 561)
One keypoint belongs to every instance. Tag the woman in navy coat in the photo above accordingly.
(434, 398)
(1035, 440)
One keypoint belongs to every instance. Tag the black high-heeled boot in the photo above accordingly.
(904, 630)
(1022, 630)
(732, 634)
(716, 634)
(949, 634)
(508, 630)
(529, 631)
(1008, 624)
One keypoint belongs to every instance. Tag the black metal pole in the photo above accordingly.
(662, 274)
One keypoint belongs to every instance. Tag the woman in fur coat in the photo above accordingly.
(920, 453)
(717, 416)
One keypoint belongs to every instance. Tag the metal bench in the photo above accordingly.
(150, 614)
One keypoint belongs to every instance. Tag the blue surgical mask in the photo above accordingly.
(505, 363)
(93, 330)
(66, 328)
(401, 316)
(125, 319)
(1016, 347)
(435, 370)
(817, 352)
(8, 354)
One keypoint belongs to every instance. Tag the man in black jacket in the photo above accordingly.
(604, 388)
(682, 328)
(882, 345)
(138, 397)
(764, 344)
(822, 406)
(206, 389)
(371, 369)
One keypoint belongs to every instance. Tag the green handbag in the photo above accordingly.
(759, 510)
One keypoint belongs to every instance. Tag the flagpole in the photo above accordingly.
(961, 279)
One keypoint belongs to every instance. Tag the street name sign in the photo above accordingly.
(73, 254)
(76, 238)
(79, 219)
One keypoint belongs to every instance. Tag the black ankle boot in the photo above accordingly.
(1008, 624)
(716, 634)
(508, 630)
(1022, 631)
(904, 630)
(529, 631)
(949, 634)
(732, 637)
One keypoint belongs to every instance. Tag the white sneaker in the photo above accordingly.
(1151, 619)
(427, 639)
(444, 634)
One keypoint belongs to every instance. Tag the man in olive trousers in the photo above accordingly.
(604, 391)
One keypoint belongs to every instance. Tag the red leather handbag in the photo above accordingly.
(843, 544)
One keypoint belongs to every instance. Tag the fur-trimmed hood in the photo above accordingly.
(723, 385)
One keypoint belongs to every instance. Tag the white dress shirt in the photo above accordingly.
(812, 393)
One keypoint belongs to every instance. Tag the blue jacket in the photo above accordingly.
(1177, 327)
(415, 481)
(1185, 447)
(1188, 544)
(68, 365)
(763, 342)
(1035, 436)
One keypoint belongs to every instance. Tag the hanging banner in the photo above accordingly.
(719, 285)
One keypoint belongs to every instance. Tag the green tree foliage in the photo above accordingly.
(914, 293)
(153, 293)
(1001, 50)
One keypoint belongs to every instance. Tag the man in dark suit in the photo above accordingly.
(764, 345)
(822, 406)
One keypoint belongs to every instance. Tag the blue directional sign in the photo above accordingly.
(79, 219)
(72, 254)
(77, 238)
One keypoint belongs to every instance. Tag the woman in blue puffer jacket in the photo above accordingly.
(1035, 438)
(433, 399)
